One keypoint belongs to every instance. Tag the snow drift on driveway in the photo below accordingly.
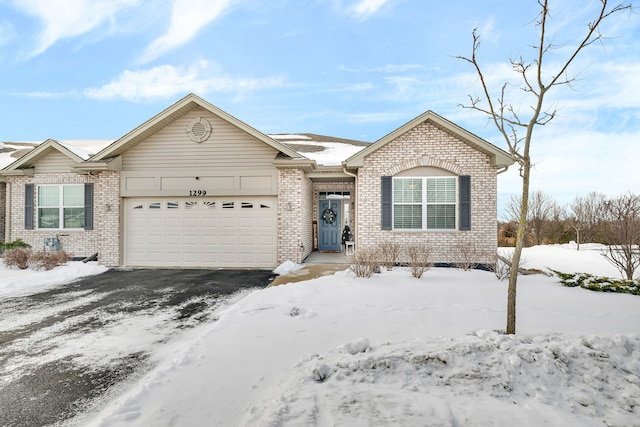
(394, 350)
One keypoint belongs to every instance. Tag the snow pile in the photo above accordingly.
(15, 282)
(287, 267)
(483, 379)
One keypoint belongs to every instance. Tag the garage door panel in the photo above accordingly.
(209, 222)
(172, 257)
(265, 222)
(190, 223)
(173, 239)
(190, 240)
(201, 232)
(247, 240)
(173, 222)
(154, 221)
(209, 240)
(265, 241)
(228, 223)
(154, 239)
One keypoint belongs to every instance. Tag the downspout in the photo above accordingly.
(7, 212)
(502, 170)
(357, 204)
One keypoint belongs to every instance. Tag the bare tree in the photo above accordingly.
(623, 233)
(518, 129)
(540, 210)
(512, 208)
(556, 228)
(586, 216)
(539, 213)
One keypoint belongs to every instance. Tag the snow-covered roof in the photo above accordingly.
(325, 150)
(83, 148)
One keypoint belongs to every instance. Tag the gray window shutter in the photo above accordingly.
(88, 206)
(464, 188)
(387, 202)
(28, 206)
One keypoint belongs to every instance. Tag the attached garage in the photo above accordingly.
(201, 232)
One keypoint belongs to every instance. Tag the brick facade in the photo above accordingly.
(427, 145)
(77, 243)
(295, 215)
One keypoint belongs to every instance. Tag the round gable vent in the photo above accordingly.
(199, 129)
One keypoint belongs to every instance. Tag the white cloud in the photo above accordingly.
(187, 18)
(359, 9)
(69, 18)
(365, 8)
(168, 80)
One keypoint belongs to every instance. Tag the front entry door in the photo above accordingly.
(329, 228)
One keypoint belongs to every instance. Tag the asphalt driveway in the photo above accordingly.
(64, 351)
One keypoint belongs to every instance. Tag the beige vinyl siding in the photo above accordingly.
(169, 163)
(171, 149)
(54, 162)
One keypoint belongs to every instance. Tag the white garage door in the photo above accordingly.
(201, 232)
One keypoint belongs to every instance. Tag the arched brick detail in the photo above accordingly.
(424, 161)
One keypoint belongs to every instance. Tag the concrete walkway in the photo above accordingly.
(315, 265)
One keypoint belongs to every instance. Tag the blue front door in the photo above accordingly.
(329, 225)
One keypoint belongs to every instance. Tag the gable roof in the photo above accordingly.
(175, 111)
(26, 162)
(499, 157)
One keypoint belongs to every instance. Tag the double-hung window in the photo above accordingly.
(61, 206)
(425, 203)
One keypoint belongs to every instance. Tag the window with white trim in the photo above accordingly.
(61, 206)
(424, 203)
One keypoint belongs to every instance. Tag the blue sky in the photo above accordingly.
(95, 69)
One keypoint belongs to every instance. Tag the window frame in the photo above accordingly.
(424, 204)
(61, 206)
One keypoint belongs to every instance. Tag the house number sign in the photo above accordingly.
(197, 193)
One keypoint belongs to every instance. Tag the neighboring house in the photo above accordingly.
(196, 187)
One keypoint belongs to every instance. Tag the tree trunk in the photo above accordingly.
(517, 254)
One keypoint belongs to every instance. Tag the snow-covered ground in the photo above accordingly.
(15, 282)
(394, 350)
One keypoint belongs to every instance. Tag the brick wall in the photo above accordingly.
(427, 145)
(78, 243)
(295, 213)
(107, 218)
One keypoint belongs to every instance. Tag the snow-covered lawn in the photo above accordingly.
(394, 350)
(15, 282)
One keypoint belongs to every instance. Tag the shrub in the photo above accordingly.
(363, 262)
(47, 260)
(18, 257)
(600, 284)
(467, 256)
(389, 252)
(24, 258)
(419, 259)
(501, 266)
(18, 243)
